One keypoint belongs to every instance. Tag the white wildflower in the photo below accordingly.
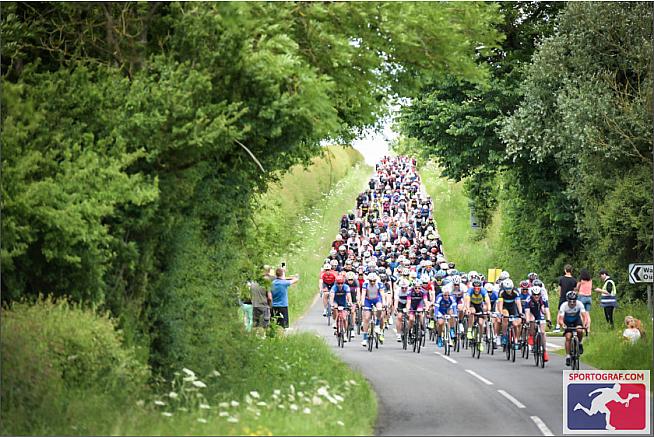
(293, 407)
(167, 414)
(223, 414)
(339, 398)
(353, 382)
(261, 404)
(223, 405)
(235, 404)
(189, 378)
(276, 391)
(215, 373)
(188, 371)
(254, 394)
(205, 407)
(306, 410)
(201, 420)
(232, 419)
(199, 384)
(172, 395)
(340, 423)
(248, 399)
(183, 409)
(140, 402)
(316, 400)
(160, 403)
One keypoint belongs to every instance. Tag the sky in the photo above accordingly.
(374, 145)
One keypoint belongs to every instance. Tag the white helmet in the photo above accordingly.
(333, 262)
(339, 237)
(425, 279)
(488, 286)
(404, 283)
(332, 252)
(507, 284)
(504, 275)
(327, 266)
(536, 291)
(456, 280)
(372, 276)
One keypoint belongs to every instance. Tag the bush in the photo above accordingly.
(63, 366)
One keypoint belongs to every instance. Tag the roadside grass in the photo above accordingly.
(315, 232)
(472, 250)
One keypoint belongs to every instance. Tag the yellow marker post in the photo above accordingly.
(493, 274)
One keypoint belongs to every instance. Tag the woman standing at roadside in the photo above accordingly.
(585, 291)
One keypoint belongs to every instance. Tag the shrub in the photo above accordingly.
(63, 365)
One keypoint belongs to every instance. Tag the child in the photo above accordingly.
(634, 329)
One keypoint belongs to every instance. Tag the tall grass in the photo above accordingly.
(471, 249)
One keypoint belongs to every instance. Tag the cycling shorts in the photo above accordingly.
(417, 305)
(340, 301)
(478, 307)
(572, 322)
(510, 310)
(371, 303)
(327, 286)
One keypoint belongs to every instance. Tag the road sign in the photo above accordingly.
(639, 273)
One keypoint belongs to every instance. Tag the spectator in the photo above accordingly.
(634, 330)
(261, 300)
(585, 291)
(608, 300)
(566, 283)
(280, 296)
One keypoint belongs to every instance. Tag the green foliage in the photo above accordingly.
(61, 366)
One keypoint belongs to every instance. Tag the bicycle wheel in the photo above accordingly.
(329, 314)
(371, 339)
(405, 332)
(473, 346)
(491, 335)
(542, 350)
(537, 346)
(421, 337)
(359, 320)
(479, 343)
(574, 352)
(526, 348)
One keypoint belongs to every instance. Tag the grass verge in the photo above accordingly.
(471, 250)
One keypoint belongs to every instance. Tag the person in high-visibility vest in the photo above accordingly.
(608, 299)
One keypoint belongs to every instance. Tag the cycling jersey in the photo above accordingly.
(477, 299)
(537, 308)
(443, 306)
(417, 298)
(524, 297)
(572, 315)
(328, 277)
(509, 299)
(353, 290)
(372, 294)
(340, 294)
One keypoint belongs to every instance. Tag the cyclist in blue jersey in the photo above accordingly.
(400, 306)
(509, 304)
(476, 301)
(339, 296)
(444, 305)
(538, 309)
(371, 296)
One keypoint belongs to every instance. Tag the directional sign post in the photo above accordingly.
(639, 273)
(643, 273)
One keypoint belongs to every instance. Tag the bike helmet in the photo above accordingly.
(504, 275)
(339, 237)
(524, 284)
(571, 295)
(536, 291)
(440, 274)
(333, 263)
(464, 279)
(447, 280)
(372, 277)
(507, 284)
(456, 280)
(326, 266)
(340, 279)
(472, 274)
(404, 283)
(532, 276)
(350, 276)
(451, 265)
(476, 283)
(342, 248)
(425, 279)
(332, 252)
(488, 286)
(538, 283)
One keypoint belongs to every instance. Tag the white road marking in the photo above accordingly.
(478, 376)
(541, 425)
(553, 346)
(516, 402)
(446, 357)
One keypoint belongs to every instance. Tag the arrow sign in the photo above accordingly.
(639, 273)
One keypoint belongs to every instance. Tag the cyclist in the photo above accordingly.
(444, 305)
(371, 296)
(400, 306)
(573, 315)
(340, 296)
(417, 300)
(325, 283)
(494, 297)
(478, 299)
(351, 282)
(536, 309)
(509, 304)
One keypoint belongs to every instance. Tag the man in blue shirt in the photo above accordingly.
(280, 296)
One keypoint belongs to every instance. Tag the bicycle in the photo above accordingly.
(350, 325)
(373, 337)
(329, 313)
(447, 338)
(340, 326)
(489, 337)
(475, 342)
(539, 344)
(418, 331)
(524, 339)
(511, 340)
(574, 347)
(359, 311)
(405, 330)
(463, 334)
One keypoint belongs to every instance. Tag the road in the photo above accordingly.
(430, 394)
